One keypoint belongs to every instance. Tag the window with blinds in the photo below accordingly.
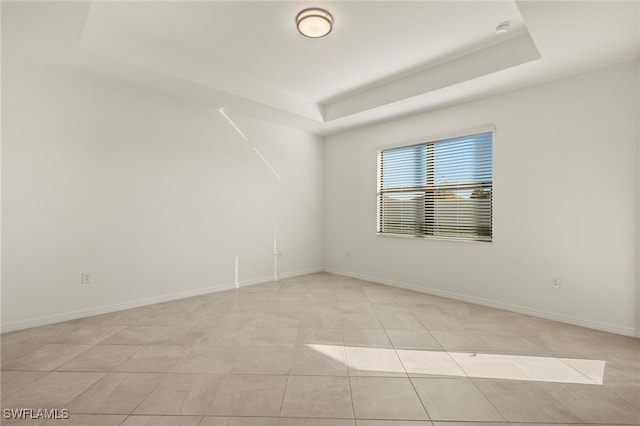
(439, 189)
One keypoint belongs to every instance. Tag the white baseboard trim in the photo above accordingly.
(582, 322)
(83, 313)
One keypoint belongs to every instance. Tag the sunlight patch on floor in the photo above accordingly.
(466, 364)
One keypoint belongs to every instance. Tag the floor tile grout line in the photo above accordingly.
(81, 371)
(558, 401)
(409, 378)
(86, 390)
(353, 407)
(578, 371)
(486, 397)
(284, 393)
(474, 379)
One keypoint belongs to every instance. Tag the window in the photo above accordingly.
(437, 189)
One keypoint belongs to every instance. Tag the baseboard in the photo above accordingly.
(105, 309)
(582, 322)
(309, 271)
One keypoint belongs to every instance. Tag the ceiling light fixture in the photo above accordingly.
(314, 22)
(503, 28)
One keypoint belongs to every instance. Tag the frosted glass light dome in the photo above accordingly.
(314, 22)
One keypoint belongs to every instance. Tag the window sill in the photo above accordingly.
(431, 237)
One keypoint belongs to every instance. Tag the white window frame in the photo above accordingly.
(427, 141)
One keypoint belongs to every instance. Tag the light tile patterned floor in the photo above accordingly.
(321, 350)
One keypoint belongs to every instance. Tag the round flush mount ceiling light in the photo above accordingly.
(314, 22)
(503, 28)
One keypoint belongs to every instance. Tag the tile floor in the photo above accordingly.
(321, 350)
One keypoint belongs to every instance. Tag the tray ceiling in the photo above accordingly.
(382, 60)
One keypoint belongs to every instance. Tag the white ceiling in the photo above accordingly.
(382, 60)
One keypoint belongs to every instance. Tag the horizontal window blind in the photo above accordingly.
(441, 188)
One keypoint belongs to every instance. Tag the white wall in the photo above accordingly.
(638, 203)
(142, 190)
(565, 190)
(154, 196)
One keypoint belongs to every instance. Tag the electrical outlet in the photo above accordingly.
(348, 254)
(556, 282)
(279, 254)
(85, 278)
